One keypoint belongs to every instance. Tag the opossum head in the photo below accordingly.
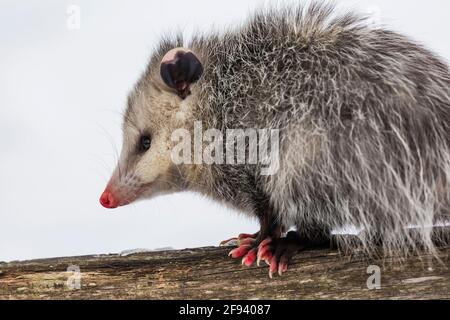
(160, 103)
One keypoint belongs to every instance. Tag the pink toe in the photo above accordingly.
(224, 242)
(246, 236)
(262, 252)
(249, 258)
(239, 251)
(273, 265)
(265, 242)
(282, 268)
(246, 241)
(283, 265)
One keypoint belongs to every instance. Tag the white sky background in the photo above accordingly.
(61, 97)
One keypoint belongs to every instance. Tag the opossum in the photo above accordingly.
(363, 121)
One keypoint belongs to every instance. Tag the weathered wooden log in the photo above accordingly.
(207, 273)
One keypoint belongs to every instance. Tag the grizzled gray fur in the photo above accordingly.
(364, 119)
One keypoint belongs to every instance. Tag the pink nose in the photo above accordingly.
(108, 201)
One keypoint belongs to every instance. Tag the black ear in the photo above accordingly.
(179, 69)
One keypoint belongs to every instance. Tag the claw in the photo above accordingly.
(268, 258)
(285, 261)
(263, 254)
(283, 265)
(273, 267)
(228, 242)
(265, 251)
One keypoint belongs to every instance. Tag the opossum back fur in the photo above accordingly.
(364, 115)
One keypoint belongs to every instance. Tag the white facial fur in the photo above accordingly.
(156, 112)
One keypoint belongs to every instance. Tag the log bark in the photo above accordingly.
(207, 273)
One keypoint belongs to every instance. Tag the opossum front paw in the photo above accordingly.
(277, 253)
(247, 247)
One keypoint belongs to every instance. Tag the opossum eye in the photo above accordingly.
(145, 143)
(179, 69)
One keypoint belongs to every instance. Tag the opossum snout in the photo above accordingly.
(108, 200)
(122, 190)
